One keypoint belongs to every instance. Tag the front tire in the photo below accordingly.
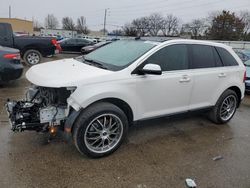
(32, 57)
(100, 130)
(225, 107)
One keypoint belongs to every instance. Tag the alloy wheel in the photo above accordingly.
(228, 107)
(103, 133)
(33, 58)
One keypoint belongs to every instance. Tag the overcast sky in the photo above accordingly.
(120, 11)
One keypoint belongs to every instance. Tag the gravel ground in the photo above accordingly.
(157, 153)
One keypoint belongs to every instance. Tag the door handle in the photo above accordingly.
(185, 78)
(222, 75)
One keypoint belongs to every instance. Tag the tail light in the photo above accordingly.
(56, 44)
(12, 56)
(245, 76)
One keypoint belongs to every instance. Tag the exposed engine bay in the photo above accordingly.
(42, 109)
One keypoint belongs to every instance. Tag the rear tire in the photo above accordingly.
(100, 130)
(225, 108)
(32, 57)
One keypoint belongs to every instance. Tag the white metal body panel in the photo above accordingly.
(148, 95)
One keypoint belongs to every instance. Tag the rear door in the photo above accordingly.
(208, 73)
(6, 36)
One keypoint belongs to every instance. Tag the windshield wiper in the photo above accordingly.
(95, 63)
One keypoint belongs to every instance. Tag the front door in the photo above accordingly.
(169, 93)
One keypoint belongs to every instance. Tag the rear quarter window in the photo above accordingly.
(226, 57)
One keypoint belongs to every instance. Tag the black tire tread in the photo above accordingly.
(89, 113)
(27, 52)
(214, 113)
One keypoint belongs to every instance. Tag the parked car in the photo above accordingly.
(97, 97)
(74, 44)
(10, 65)
(247, 82)
(244, 55)
(32, 49)
(88, 49)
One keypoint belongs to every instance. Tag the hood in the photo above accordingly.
(63, 73)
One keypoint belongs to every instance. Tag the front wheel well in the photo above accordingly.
(122, 105)
(70, 123)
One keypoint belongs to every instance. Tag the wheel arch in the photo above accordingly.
(124, 106)
(238, 93)
(30, 47)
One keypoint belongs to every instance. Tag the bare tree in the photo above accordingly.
(195, 27)
(141, 25)
(68, 23)
(129, 30)
(82, 26)
(170, 25)
(245, 16)
(117, 32)
(155, 22)
(211, 15)
(51, 22)
(37, 25)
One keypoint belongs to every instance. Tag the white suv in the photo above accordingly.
(97, 97)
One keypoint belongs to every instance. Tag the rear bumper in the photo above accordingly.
(11, 72)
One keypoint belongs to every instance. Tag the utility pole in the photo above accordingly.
(9, 11)
(105, 19)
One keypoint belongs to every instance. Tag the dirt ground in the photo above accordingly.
(157, 153)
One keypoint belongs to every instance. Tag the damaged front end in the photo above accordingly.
(44, 109)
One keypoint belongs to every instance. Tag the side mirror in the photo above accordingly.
(151, 69)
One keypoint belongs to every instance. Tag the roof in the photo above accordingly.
(191, 41)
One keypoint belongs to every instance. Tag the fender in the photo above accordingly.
(84, 96)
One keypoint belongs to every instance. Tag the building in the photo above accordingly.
(19, 25)
(58, 32)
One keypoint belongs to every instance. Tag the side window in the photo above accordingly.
(3, 30)
(170, 58)
(78, 41)
(81, 41)
(203, 56)
(71, 41)
(227, 58)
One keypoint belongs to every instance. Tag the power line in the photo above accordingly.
(185, 14)
(180, 8)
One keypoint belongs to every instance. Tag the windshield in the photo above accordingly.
(120, 54)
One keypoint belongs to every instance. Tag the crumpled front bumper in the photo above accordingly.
(19, 115)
